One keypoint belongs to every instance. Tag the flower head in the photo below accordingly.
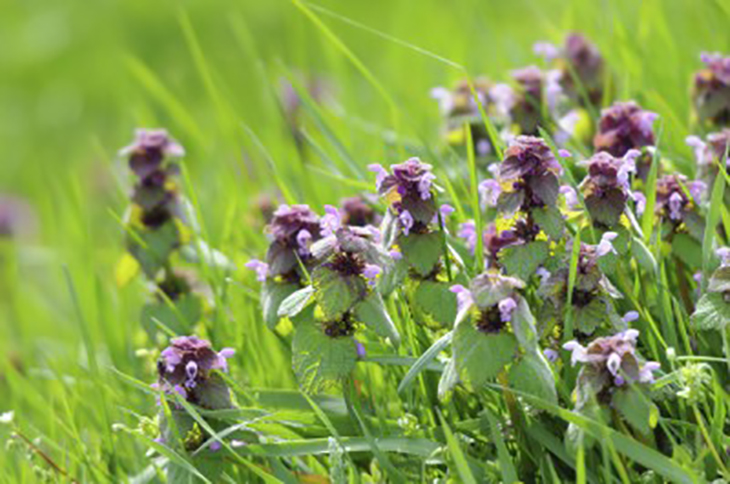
(528, 176)
(409, 190)
(149, 150)
(584, 61)
(613, 360)
(624, 126)
(606, 187)
(185, 367)
(359, 212)
(261, 268)
(293, 229)
(672, 201)
(527, 109)
(711, 90)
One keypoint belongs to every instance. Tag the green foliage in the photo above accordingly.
(523, 260)
(421, 251)
(479, 356)
(321, 361)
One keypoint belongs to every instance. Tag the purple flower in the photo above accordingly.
(564, 153)
(528, 176)
(724, 254)
(261, 268)
(640, 201)
(551, 355)
(613, 356)
(359, 212)
(631, 316)
(586, 63)
(149, 150)
(468, 232)
(293, 229)
(215, 446)
(624, 126)
(489, 191)
(446, 210)
(571, 197)
(17, 217)
(360, 350)
(185, 367)
(395, 254)
(506, 308)
(503, 98)
(331, 221)
(380, 172)
(546, 50)
(527, 109)
(711, 90)
(671, 199)
(605, 246)
(408, 190)
(543, 274)
(606, 187)
(463, 296)
(406, 221)
(371, 273)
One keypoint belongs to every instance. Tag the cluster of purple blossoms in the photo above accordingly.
(709, 153)
(676, 196)
(359, 212)
(494, 298)
(611, 362)
(711, 90)
(580, 67)
(527, 110)
(409, 191)
(148, 158)
(623, 127)
(185, 367)
(528, 176)
(606, 188)
(292, 230)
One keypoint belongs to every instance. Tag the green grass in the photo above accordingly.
(78, 77)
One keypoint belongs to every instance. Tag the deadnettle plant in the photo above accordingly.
(494, 334)
(583, 70)
(591, 301)
(530, 105)
(711, 90)
(677, 205)
(459, 108)
(613, 379)
(292, 231)
(710, 155)
(606, 188)
(343, 296)
(623, 127)
(713, 308)
(156, 216)
(190, 368)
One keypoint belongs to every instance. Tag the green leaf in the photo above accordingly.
(335, 293)
(421, 251)
(457, 454)
(550, 221)
(594, 314)
(152, 248)
(272, 295)
(293, 305)
(607, 209)
(636, 407)
(429, 355)
(371, 311)
(523, 325)
(523, 260)
(532, 375)
(300, 448)
(449, 379)
(320, 361)
(687, 249)
(643, 256)
(436, 301)
(481, 356)
(720, 280)
(712, 312)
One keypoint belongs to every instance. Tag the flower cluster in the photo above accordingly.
(623, 127)
(154, 191)
(409, 191)
(710, 153)
(711, 90)
(186, 367)
(528, 108)
(493, 296)
(292, 230)
(676, 197)
(608, 363)
(606, 188)
(459, 107)
(528, 176)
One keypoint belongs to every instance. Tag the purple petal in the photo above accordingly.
(631, 316)
(406, 220)
(506, 308)
(261, 268)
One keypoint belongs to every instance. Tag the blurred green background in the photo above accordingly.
(76, 77)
